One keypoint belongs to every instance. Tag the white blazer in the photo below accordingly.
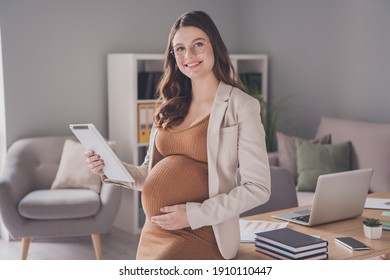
(235, 137)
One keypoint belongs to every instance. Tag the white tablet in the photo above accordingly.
(91, 139)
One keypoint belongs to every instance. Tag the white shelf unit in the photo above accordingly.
(123, 71)
(253, 63)
(123, 102)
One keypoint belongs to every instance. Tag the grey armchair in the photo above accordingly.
(283, 193)
(30, 168)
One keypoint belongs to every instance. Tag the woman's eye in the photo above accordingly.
(199, 45)
(179, 49)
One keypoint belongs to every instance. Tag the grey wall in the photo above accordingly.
(55, 54)
(331, 56)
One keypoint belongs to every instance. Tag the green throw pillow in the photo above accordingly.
(314, 160)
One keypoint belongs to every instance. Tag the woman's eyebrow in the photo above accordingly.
(197, 39)
(200, 38)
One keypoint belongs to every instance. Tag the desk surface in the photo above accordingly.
(351, 227)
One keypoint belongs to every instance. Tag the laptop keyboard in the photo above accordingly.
(304, 218)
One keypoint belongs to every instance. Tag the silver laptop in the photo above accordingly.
(338, 196)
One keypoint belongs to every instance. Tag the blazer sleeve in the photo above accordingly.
(254, 188)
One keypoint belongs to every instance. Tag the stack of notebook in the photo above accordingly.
(286, 243)
(385, 225)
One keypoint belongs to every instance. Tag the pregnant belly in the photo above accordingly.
(174, 180)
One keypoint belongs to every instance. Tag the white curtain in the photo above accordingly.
(3, 144)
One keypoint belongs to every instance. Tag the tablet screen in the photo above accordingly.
(91, 139)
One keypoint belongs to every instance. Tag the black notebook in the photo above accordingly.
(316, 254)
(290, 240)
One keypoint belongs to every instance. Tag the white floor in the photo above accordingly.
(116, 245)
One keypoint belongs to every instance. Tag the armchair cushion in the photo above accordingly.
(73, 171)
(287, 150)
(59, 204)
(314, 160)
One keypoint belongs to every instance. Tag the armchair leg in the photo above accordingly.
(97, 245)
(25, 245)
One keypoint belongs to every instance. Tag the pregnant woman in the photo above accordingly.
(205, 127)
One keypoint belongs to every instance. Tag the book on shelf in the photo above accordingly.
(290, 240)
(319, 256)
(145, 121)
(252, 82)
(147, 84)
(280, 253)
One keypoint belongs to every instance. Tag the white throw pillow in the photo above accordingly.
(73, 171)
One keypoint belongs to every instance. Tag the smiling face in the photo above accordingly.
(197, 61)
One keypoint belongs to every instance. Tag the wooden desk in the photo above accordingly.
(351, 227)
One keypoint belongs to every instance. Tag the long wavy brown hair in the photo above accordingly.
(175, 88)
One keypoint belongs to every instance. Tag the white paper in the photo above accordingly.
(377, 203)
(249, 228)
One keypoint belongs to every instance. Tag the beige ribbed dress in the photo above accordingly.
(180, 177)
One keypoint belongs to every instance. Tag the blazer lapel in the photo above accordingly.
(216, 117)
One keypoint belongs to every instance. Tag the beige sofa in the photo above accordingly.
(370, 148)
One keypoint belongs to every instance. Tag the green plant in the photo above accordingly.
(269, 113)
(372, 222)
(270, 118)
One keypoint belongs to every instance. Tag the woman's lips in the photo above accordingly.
(192, 64)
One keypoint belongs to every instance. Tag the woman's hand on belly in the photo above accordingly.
(175, 217)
